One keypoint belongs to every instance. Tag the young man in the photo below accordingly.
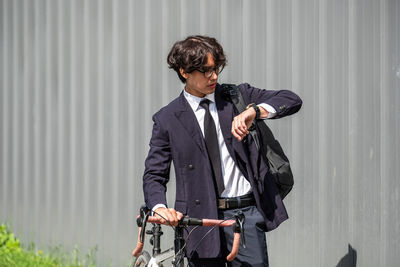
(215, 160)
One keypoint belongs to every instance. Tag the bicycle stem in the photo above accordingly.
(179, 242)
(156, 238)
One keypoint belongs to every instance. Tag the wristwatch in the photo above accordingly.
(256, 108)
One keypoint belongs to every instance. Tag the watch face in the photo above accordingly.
(250, 105)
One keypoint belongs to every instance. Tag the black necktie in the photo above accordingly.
(210, 136)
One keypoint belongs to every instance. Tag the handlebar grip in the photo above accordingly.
(220, 223)
(235, 247)
(139, 245)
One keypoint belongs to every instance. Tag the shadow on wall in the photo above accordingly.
(350, 259)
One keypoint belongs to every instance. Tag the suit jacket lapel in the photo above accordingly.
(186, 117)
(225, 115)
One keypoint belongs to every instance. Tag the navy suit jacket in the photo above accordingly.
(177, 138)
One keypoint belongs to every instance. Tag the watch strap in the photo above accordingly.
(256, 108)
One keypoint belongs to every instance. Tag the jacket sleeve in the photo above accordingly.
(285, 102)
(157, 166)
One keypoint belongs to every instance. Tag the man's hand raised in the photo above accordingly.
(242, 122)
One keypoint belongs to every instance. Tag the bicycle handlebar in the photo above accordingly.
(187, 221)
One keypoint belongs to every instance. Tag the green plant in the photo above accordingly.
(12, 254)
(8, 242)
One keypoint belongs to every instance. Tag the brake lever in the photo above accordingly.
(239, 226)
(142, 221)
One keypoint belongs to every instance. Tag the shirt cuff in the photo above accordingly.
(269, 108)
(157, 206)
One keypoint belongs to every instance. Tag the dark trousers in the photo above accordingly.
(255, 253)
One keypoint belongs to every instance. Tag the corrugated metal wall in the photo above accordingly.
(80, 80)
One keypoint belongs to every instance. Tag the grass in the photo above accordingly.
(13, 254)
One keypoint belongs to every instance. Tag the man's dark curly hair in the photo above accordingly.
(191, 54)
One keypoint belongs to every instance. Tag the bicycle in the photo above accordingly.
(177, 252)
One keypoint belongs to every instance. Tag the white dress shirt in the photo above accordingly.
(234, 181)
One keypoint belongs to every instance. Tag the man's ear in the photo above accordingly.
(183, 73)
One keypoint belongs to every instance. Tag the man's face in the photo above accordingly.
(197, 83)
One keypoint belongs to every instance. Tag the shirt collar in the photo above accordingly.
(194, 101)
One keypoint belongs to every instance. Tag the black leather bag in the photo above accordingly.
(267, 145)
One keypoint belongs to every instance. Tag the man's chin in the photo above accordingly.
(210, 90)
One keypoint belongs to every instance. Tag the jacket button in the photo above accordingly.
(191, 167)
(197, 202)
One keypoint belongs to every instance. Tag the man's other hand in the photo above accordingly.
(171, 215)
(242, 122)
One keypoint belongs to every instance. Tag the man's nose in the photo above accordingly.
(214, 76)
